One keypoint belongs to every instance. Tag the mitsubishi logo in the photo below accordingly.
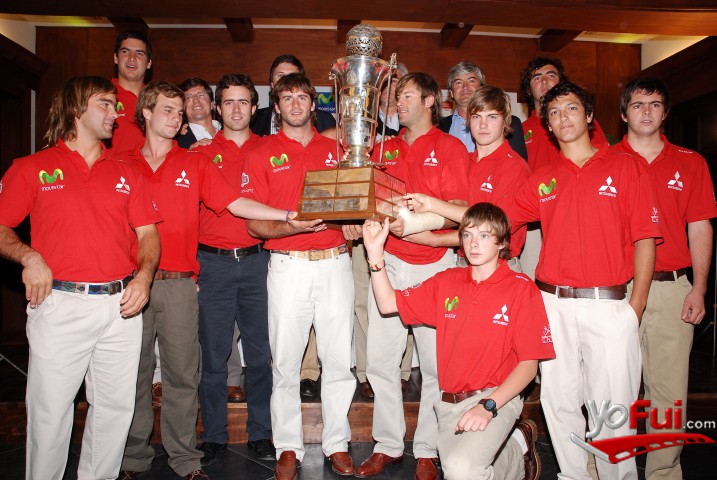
(122, 187)
(501, 318)
(182, 181)
(675, 184)
(331, 161)
(608, 189)
(244, 179)
(431, 161)
(486, 186)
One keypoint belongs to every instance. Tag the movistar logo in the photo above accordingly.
(217, 159)
(277, 162)
(391, 156)
(46, 177)
(451, 304)
(325, 98)
(527, 135)
(119, 107)
(544, 189)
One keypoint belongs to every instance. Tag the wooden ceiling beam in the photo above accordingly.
(453, 34)
(241, 29)
(343, 27)
(554, 40)
(124, 24)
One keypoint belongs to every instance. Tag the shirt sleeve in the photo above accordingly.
(641, 206)
(522, 205)
(257, 184)
(701, 203)
(215, 189)
(511, 173)
(454, 172)
(532, 339)
(18, 189)
(142, 210)
(417, 304)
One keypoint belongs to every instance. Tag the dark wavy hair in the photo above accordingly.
(563, 89)
(648, 86)
(527, 74)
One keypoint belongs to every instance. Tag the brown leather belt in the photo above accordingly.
(458, 397)
(669, 275)
(232, 252)
(167, 275)
(617, 292)
(313, 255)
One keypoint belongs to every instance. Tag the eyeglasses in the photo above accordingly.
(196, 96)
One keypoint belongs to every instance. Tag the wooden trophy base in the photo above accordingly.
(350, 194)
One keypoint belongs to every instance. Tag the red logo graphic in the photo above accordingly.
(614, 416)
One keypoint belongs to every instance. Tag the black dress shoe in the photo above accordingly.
(307, 388)
(262, 449)
(211, 450)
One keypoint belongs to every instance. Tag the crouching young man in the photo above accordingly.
(491, 330)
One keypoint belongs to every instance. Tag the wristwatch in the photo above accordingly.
(489, 404)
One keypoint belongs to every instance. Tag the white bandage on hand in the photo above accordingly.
(419, 222)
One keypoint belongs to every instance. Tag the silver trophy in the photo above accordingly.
(358, 80)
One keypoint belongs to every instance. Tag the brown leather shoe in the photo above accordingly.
(426, 469)
(197, 475)
(286, 466)
(404, 387)
(128, 475)
(366, 389)
(235, 395)
(157, 394)
(532, 461)
(342, 463)
(375, 464)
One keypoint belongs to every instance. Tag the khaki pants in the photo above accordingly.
(386, 341)
(665, 341)
(362, 276)
(597, 357)
(73, 337)
(485, 455)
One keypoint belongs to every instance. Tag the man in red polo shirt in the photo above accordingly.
(599, 223)
(435, 163)
(133, 59)
(685, 195)
(232, 286)
(179, 180)
(309, 281)
(541, 75)
(86, 210)
(491, 329)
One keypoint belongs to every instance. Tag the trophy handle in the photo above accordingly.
(392, 67)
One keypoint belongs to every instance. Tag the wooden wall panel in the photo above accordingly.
(615, 65)
(209, 53)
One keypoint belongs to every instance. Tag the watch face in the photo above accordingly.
(490, 404)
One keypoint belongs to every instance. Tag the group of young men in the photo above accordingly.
(607, 305)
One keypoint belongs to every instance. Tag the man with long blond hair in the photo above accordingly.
(85, 302)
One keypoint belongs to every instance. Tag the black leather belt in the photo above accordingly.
(669, 275)
(109, 288)
(617, 292)
(458, 397)
(234, 252)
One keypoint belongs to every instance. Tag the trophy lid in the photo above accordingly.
(364, 39)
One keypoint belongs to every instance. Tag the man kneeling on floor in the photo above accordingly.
(487, 355)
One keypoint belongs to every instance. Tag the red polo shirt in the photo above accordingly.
(495, 176)
(590, 216)
(543, 148)
(483, 329)
(82, 219)
(276, 167)
(435, 164)
(226, 231)
(184, 179)
(127, 136)
(684, 193)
